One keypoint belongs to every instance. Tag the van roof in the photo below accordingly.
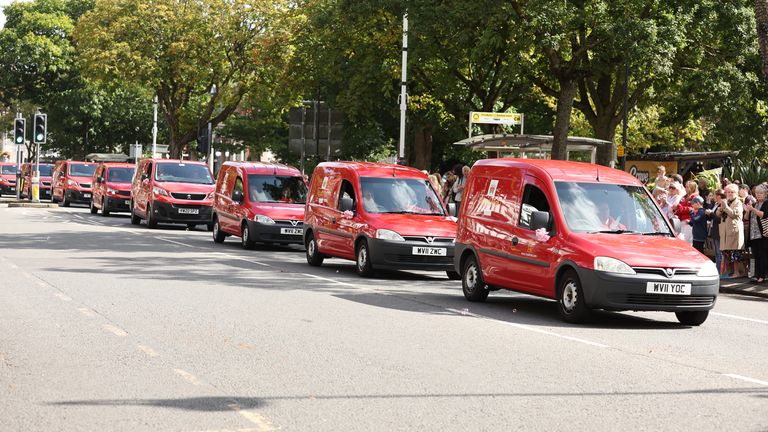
(265, 168)
(118, 165)
(558, 170)
(177, 161)
(375, 169)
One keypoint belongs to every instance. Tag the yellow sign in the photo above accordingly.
(495, 118)
(620, 151)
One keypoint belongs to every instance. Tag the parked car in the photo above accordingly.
(46, 173)
(112, 188)
(260, 203)
(172, 191)
(7, 178)
(71, 182)
(589, 237)
(381, 216)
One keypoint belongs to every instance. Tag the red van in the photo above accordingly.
(381, 216)
(7, 178)
(112, 188)
(587, 236)
(72, 182)
(259, 202)
(172, 191)
(46, 173)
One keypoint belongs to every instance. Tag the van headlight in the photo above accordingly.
(159, 191)
(385, 234)
(709, 269)
(612, 265)
(263, 219)
(71, 182)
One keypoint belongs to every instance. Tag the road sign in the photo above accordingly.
(620, 151)
(495, 118)
(315, 142)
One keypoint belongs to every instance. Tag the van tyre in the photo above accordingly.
(692, 318)
(93, 208)
(65, 202)
(247, 241)
(472, 283)
(571, 304)
(151, 221)
(104, 205)
(135, 220)
(452, 275)
(363, 259)
(314, 257)
(218, 236)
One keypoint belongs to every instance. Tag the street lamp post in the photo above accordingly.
(154, 127)
(214, 91)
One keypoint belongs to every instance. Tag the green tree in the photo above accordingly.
(199, 56)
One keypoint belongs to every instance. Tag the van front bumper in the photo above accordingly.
(399, 255)
(279, 232)
(78, 197)
(8, 189)
(117, 204)
(618, 292)
(178, 213)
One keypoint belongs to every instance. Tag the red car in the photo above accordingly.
(260, 203)
(72, 182)
(172, 191)
(112, 188)
(46, 173)
(381, 216)
(7, 178)
(587, 236)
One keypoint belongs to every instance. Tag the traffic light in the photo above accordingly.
(40, 128)
(203, 141)
(20, 131)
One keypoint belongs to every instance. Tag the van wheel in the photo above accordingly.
(314, 257)
(452, 275)
(692, 318)
(135, 220)
(247, 241)
(363, 258)
(65, 202)
(93, 208)
(472, 283)
(571, 303)
(104, 204)
(151, 222)
(218, 236)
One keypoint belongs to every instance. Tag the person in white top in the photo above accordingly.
(661, 181)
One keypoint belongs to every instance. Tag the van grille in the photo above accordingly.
(188, 196)
(124, 193)
(663, 300)
(85, 185)
(435, 240)
(662, 272)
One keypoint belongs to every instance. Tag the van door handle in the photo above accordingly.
(515, 241)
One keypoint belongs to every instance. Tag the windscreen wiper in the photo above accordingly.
(618, 231)
(657, 234)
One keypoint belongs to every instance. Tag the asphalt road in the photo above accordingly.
(109, 327)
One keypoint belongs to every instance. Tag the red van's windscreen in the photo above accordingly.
(399, 195)
(610, 208)
(8, 170)
(183, 173)
(120, 175)
(81, 170)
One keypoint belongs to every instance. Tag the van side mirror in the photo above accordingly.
(347, 204)
(99, 179)
(144, 177)
(452, 210)
(237, 196)
(540, 219)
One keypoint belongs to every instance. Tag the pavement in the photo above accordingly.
(744, 287)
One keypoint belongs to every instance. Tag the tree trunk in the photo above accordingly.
(563, 118)
(761, 16)
(423, 147)
(605, 129)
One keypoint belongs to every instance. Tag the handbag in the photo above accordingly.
(763, 223)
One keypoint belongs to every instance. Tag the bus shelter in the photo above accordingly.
(532, 146)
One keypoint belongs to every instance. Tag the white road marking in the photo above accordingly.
(147, 350)
(63, 296)
(117, 331)
(87, 312)
(529, 328)
(263, 424)
(747, 379)
(176, 243)
(330, 280)
(740, 318)
(188, 376)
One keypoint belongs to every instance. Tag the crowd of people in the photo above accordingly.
(451, 184)
(730, 223)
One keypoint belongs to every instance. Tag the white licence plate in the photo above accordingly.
(292, 231)
(668, 288)
(431, 251)
(85, 195)
(189, 211)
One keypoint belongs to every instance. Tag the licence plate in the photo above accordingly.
(85, 195)
(668, 288)
(13, 189)
(431, 251)
(292, 231)
(127, 202)
(189, 211)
